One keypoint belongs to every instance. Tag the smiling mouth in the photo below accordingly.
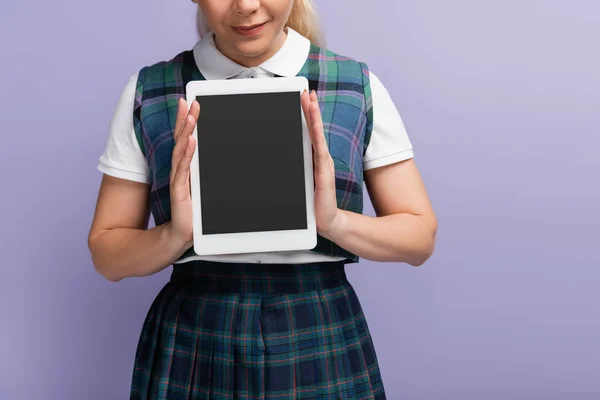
(249, 31)
(248, 27)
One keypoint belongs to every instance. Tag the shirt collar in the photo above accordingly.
(288, 60)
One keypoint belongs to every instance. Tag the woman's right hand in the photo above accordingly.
(181, 224)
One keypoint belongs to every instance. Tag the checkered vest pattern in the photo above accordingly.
(344, 94)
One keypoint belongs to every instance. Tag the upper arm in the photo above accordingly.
(398, 188)
(121, 203)
(391, 175)
(123, 198)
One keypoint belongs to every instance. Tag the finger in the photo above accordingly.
(180, 144)
(315, 117)
(190, 124)
(183, 168)
(305, 101)
(188, 128)
(322, 158)
(319, 142)
(182, 112)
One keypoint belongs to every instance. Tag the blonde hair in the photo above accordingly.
(303, 19)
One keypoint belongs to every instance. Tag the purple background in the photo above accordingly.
(502, 102)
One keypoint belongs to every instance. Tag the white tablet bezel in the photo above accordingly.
(252, 242)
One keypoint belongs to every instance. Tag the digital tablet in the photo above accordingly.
(252, 185)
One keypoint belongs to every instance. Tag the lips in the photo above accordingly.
(247, 27)
(249, 30)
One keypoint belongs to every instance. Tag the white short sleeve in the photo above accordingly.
(389, 140)
(123, 157)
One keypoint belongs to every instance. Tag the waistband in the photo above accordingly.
(218, 277)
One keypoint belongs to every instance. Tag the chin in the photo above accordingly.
(253, 49)
(255, 45)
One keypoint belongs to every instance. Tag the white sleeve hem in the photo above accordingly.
(122, 173)
(398, 156)
(122, 156)
(389, 140)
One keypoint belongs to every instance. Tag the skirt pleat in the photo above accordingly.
(221, 331)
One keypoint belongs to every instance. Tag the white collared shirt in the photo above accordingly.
(123, 158)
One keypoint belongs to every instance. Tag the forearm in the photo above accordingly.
(399, 237)
(121, 253)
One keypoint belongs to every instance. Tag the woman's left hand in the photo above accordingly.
(326, 209)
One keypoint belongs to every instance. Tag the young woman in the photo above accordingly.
(283, 325)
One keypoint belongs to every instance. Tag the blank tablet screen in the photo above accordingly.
(250, 155)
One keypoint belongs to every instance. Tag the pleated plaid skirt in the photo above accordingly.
(225, 331)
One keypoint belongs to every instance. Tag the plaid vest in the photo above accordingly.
(344, 94)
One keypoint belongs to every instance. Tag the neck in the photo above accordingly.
(253, 61)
